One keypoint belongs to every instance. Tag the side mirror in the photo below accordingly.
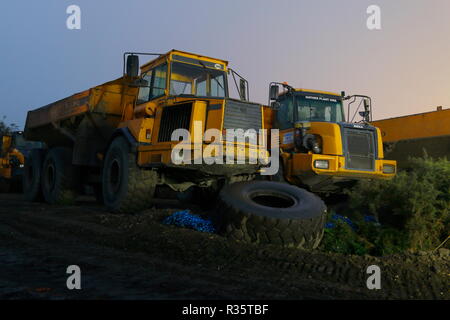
(366, 112)
(273, 92)
(132, 66)
(366, 105)
(242, 89)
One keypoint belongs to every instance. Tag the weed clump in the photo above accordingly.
(412, 211)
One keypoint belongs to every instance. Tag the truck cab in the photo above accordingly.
(182, 90)
(13, 150)
(320, 148)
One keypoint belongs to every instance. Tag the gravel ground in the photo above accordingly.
(137, 257)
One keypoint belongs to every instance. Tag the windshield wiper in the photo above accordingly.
(186, 95)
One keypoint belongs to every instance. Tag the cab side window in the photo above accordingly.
(156, 79)
(158, 84)
(144, 92)
(285, 114)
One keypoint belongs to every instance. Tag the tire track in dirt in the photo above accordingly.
(30, 234)
(214, 266)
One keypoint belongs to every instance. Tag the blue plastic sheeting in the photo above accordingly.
(187, 219)
(337, 217)
(330, 225)
(371, 219)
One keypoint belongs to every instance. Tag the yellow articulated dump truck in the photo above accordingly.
(321, 150)
(415, 135)
(13, 149)
(128, 137)
(117, 137)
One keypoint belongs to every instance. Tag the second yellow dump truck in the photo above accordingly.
(321, 149)
(13, 150)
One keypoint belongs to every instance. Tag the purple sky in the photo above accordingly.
(317, 44)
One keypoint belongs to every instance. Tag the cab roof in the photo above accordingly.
(185, 54)
(318, 91)
(315, 92)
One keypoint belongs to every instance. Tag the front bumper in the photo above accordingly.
(243, 160)
(302, 164)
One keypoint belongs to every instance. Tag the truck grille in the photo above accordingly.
(172, 118)
(242, 115)
(359, 149)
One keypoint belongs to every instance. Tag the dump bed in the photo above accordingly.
(74, 105)
(103, 105)
(422, 125)
(84, 121)
(414, 135)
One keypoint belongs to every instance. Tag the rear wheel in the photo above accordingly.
(126, 187)
(32, 173)
(58, 176)
(271, 213)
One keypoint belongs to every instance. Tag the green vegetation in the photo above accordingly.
(413, 210)
(6, 128)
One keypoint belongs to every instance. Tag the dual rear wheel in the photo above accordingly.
(49, 176)
(124, 187)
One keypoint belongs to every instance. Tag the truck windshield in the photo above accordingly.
(187, 79)
(309, 108)
(319, 108)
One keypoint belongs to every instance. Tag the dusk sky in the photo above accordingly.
(316, 44)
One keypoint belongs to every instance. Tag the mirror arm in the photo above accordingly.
(237, 87)
(354, 97)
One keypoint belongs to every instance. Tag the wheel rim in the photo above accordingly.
(50, 177)
(274, 200)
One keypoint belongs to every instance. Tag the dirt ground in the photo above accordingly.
(137, 257)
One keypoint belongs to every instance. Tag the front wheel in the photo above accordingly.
(126, 187)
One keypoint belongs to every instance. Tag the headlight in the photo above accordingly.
(388, 169)
(317, 144)
(321, 164)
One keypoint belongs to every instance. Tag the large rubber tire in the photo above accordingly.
(126, 187)
(270, 213)
(58, 178)
(32, 173)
